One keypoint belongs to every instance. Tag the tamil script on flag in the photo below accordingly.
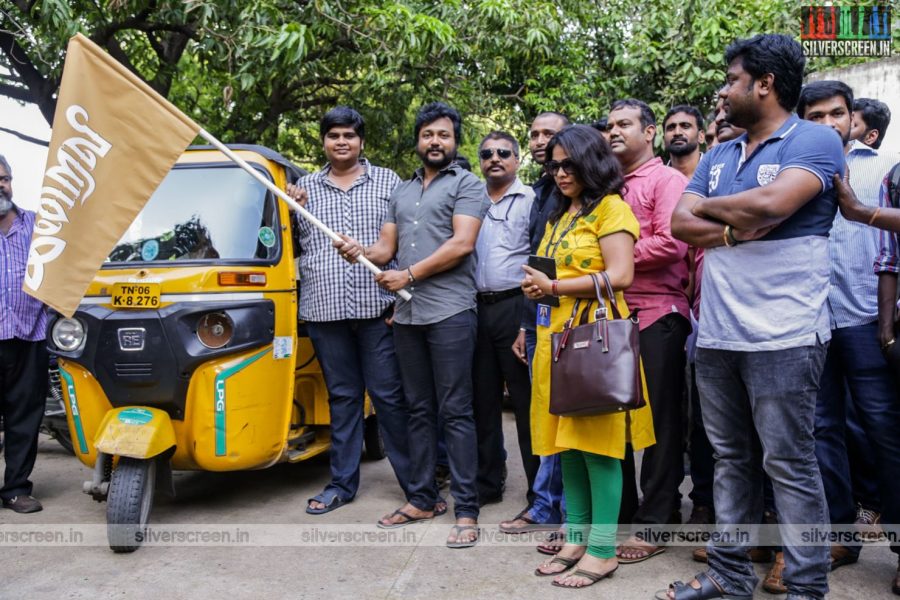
(114, 139)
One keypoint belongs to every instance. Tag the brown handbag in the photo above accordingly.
(596, 367)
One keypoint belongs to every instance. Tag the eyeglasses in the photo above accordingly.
(552, 167)
(488, 153)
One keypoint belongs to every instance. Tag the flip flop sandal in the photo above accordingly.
(530, 524)
(589, 575)
(330, 504)
(568, 563)
(708, 591)
(551, 547)
(649, 554)
(409, 520)
(458, 529)
(440, 511)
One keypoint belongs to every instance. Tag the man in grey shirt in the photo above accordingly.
(503, 247)
(431, 227)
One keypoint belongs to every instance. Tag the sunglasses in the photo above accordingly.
(488, 153)
(553, 166)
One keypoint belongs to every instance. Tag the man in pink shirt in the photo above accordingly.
(658, 292)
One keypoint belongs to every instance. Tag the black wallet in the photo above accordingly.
(547, 266)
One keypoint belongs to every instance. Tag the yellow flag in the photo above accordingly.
(114, 139)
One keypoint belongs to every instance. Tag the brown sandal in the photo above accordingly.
(567, 563)
(554, 543)
(774, 583)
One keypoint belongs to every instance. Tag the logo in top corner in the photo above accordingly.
(848, 30)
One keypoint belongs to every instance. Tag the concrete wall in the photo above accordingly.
(879, 79)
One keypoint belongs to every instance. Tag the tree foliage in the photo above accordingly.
(264, 71)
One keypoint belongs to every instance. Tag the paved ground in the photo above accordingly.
(276, 565)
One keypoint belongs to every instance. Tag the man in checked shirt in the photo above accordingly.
(23, 352)
(346, 312)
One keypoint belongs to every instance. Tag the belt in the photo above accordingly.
(494, 297)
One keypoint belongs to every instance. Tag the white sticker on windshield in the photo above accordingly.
(283, 347)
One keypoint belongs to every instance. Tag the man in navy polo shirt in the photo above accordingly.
(762, 205)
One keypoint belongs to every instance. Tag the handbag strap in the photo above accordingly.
(601, 305)
(609, 293)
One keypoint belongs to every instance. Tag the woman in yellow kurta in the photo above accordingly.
(592, 230)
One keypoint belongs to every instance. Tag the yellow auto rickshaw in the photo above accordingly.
(186, 352)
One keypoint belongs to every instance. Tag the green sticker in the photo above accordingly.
(135, 416)
(266, 237)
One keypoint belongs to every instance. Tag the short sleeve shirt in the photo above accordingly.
(770, 294)
(424, 219)
(331, 289)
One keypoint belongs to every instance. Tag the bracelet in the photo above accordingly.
(412, 278)
(874, 216)
(522, 329)
(554, 287)
(728, 236)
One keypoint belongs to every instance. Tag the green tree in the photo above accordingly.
(264, 71)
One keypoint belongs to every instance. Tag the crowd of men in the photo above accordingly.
(792, 411)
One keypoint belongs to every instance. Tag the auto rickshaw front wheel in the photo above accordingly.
(129, 502)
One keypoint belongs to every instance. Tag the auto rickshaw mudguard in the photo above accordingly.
(135, 431)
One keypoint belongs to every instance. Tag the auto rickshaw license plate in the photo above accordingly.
(135, 295)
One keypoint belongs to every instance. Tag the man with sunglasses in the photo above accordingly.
(501, 250)
(658, 292)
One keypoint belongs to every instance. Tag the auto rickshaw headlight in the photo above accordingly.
(214, 330)
(68, 334)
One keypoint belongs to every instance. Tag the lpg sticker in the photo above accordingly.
(266, 237)
(283, 347)
(150, 250)
(135, 416)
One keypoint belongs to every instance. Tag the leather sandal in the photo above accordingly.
(774, 583)
(840, 556)
(553, 544)
(708, 591)
(529, 524)
(589, 575)
(567, 564)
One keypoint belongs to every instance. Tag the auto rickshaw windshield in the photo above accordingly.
(203, 212)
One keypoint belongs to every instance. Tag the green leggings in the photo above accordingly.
(592, 485)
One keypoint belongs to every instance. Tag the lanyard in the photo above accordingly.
(512, 200)
(569, 227)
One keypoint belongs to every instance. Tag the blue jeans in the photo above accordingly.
(855, 361)
(549, 504)
(436, 367)
(759, 413)
(355, 356)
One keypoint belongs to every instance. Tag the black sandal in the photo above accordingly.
(708, 591)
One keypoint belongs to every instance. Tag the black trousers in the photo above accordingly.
(23, 393)
(662, 470)
(495, 363)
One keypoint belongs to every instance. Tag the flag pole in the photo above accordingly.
(291, 202)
